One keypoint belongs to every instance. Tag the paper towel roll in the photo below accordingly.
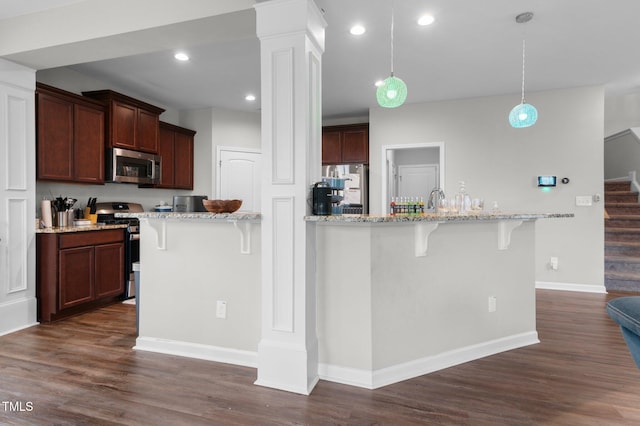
(45, 210)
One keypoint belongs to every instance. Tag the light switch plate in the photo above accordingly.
(584, 200)
(221, 309)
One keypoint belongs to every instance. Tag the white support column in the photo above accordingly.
(17, 197)
(291, 34)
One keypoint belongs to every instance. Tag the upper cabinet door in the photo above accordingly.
(123, 126)
(147, 131)
(183, 162)
(331, 147)
(55, 138)
(165, 150)
(89, 144)
(355, 146)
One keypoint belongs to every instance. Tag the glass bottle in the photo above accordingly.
(463, 200)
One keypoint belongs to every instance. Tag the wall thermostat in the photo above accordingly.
(546, 181)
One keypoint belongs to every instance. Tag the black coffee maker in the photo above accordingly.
(321, 199)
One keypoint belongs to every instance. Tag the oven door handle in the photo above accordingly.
(134, 237)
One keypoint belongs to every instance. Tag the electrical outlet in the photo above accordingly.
(493, 304)
(221, 309)
(553, 263)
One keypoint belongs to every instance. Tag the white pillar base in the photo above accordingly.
(288, 367)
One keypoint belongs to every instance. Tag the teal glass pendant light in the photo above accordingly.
(393, 91)
(523, 114)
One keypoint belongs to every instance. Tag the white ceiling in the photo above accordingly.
(473, 49)
(13, 8)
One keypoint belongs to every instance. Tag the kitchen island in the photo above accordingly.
(396, 296)
(402, 296)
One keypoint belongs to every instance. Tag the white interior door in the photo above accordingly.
(417, 180)
(239, 174)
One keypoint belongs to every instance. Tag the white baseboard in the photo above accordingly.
(18, 315)
(397, 373)
(198, 351)
(585, 288)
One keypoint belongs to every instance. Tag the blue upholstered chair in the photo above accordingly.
(626, 312)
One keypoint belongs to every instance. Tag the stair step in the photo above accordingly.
(622, 248)
(623, 221)
(620, 281)
(620, 197)
(617, 208)
(627, 276)
(617, 186)
(621, 234)
(622, 265)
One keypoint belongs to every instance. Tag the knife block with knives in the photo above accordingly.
(90, 210)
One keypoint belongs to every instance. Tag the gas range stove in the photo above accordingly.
(107, 214)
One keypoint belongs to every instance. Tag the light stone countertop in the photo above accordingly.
(433, 217)
(348, 218)
(197, 216)
(69, 229)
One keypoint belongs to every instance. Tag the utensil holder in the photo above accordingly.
(61, 219)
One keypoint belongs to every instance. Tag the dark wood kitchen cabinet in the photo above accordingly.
(78, 271)
(176, 149)
(70, 136)
(131, 123)
(347, 144)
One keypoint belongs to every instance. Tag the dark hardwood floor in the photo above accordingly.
(82, 371)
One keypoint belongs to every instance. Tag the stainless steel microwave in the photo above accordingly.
(127, 166)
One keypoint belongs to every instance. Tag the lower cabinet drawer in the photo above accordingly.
(90, 238)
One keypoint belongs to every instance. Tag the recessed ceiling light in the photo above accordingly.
(357, 30)
(426, 20)
(250, 98)
(181, 56)
(379, 83)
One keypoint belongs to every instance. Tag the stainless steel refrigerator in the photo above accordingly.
(356, 188)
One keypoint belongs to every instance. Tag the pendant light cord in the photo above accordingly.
(523, 49)
(392, 38)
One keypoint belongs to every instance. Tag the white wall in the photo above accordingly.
(621, 113)
(500, 163)
(234, 129)
(412, 156)
(622, 154)
(200, 120)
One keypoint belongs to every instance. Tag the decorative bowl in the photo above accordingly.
(221, 206)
